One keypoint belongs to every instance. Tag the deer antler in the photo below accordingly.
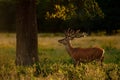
(71, 34)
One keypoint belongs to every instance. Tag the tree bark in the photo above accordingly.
(26, 29)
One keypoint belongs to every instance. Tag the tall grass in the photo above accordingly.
(56, 64)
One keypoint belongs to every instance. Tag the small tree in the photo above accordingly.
(26, 28)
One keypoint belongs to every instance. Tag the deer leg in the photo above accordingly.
(102, 61)
(76, 63)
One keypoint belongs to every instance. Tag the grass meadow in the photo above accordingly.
(56, 64)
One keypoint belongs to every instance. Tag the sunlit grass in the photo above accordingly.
(56, 64)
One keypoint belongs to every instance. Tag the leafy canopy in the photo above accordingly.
(84, 9)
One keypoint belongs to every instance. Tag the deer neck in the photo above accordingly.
(69, 48)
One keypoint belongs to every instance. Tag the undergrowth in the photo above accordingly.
(60, 71)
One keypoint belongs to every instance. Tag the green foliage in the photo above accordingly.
(88, 9)
(60, 71)
(91, 9)
(62, 12)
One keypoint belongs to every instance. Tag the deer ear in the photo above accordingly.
(69, 38)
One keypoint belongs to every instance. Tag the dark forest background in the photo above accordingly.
(58, 15)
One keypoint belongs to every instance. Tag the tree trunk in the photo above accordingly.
(26, 29)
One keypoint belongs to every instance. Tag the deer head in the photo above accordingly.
(70, 35)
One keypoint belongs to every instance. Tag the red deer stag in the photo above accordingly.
(81, 54)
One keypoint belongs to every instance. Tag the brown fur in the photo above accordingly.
(83, 54)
